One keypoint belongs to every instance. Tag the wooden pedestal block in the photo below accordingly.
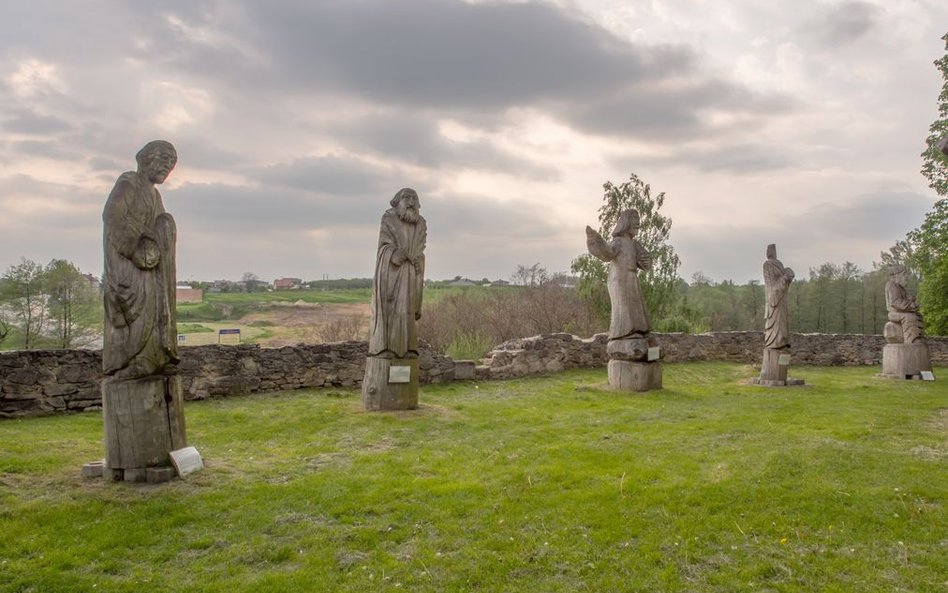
(625, 375)
(771, 371)
(905, 361)
(144, 421)
(390, 384)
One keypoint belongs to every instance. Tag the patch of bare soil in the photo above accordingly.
(310, 323)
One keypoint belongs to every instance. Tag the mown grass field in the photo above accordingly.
(535, 485)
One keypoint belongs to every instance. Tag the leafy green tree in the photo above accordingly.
(934, 167)
(4, 326)
(930, 240)
(660, 284)
(74, 307)
(23, 296)
(931, 261)
(850, 302)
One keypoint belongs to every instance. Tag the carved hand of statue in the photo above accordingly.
(645, 260)
(417, 262)
(788, 274)
(399, 257)
(147, 254)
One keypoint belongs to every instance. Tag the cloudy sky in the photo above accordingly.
(798, 123)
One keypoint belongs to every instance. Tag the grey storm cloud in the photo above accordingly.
(458, 58)
(432, 54)
(427, 58)
(843, 23)
(738, 158)
(100, 163)
(672, 110)
(82, 200)
(453, 55)
(216, 207)
(838, 229)
(415, 139)
(199, 151)
(332, 175)
(485, 220)
(883, 213)
(50, 149)
(233, 207)
(26, 122)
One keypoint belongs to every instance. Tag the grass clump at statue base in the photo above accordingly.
(533, 485)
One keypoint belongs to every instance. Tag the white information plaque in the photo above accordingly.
(654, 353)
(783, 360)
(928, 376)
(399, 374)
(186, 461)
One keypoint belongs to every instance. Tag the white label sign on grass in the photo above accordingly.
(186, 461)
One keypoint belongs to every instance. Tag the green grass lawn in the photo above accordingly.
(535, 485)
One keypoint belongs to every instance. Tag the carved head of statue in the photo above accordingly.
(406, 205)
(897, 273)
(156, 160)
(627, 224)
(772, 251)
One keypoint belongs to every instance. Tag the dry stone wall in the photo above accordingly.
(556, 352)
(50, 381)
(38, 382)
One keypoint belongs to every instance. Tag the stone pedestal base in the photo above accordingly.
(390, 384)
(143, 421)
(905, 361)
(625, 375)
(785, 383)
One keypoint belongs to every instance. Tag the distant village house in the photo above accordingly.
(287, 284)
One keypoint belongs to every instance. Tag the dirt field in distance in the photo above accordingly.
(284, 324)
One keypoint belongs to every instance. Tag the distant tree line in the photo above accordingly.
(833, 299)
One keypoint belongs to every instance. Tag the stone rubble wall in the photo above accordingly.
(557, 352)
(35, 382)
(39, 382)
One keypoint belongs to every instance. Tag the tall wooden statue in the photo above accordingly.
(141, 393)
(776, 362)
(391, 370)
(633, 351)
